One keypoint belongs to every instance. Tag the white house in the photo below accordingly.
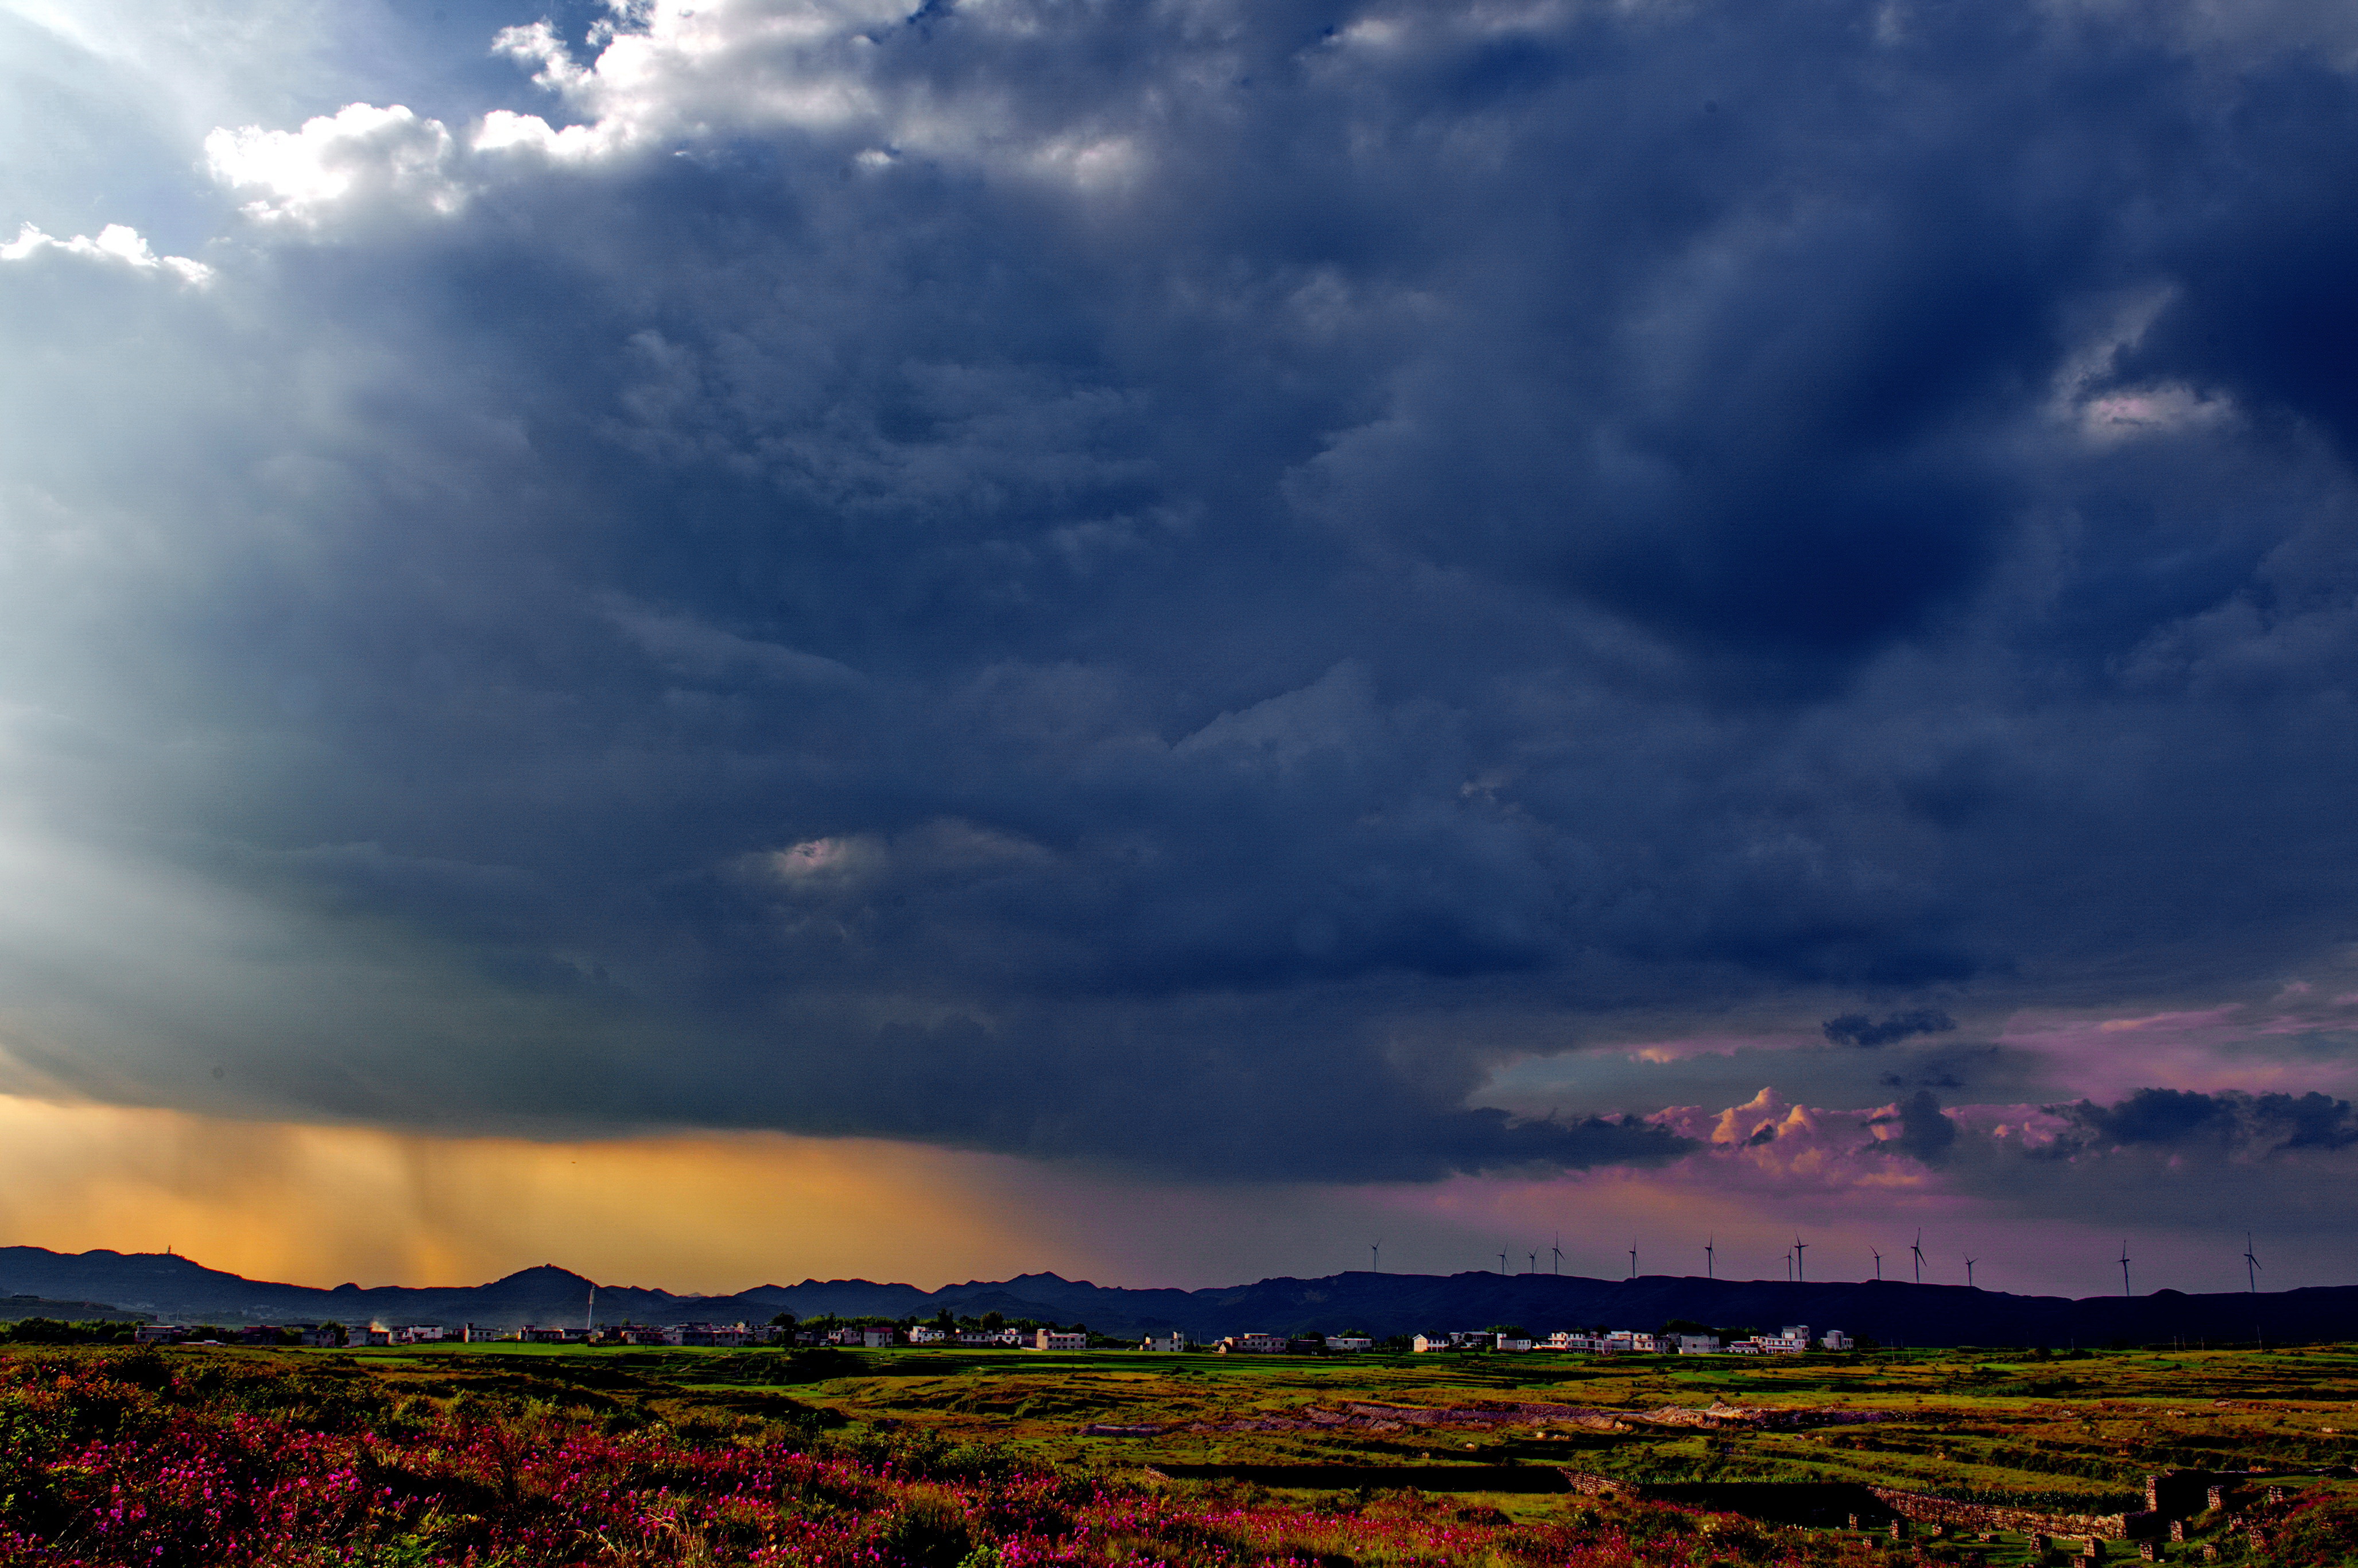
(1515, 1343)
(1054, 1339)
(1170, 1343)
(1254, 1344)
(1425, 1344)
(1696, 1344)
(1835, 1339)
(876, 1338)
(1349, 1342)
(921, 1334)
(731, 1333)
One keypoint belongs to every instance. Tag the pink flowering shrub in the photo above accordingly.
(176, 1461)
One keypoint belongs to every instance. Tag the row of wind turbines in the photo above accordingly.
(1796, 1257)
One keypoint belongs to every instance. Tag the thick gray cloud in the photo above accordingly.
(2253, 1126)
(1869, 1034)
(2171, 1159)
(1155, 583)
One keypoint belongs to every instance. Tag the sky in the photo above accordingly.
(1170, 639)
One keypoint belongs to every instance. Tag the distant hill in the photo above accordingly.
(177, 1289)
(16, 1309)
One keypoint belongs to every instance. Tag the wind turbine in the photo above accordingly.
(1558, 1251)
(1917, 1247)
(1801, 1258)
(1710, 1271)
(1969, 1272)
(1502, 1262)
(2125, 1266)
(1633, 1259)
(1788, 1265)
(2251, 1264)
(1879, 1266)
(1375, 1257)
(1535, 1262)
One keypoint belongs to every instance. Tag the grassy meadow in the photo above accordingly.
(526, 1455)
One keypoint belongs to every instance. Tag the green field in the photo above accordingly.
(2072, 1434)
(447, 1456)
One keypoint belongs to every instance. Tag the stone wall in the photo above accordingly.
(1922, 1509)
(1589, 1484)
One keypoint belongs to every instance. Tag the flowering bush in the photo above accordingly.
(2319, 1531)
(172, 1460)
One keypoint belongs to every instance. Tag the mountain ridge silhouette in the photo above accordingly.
(174, 1287)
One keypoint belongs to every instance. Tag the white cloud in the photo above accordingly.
(116, 242)
(504, 130)
(668, 69)
(389, 156)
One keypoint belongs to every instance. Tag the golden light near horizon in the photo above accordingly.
(721, 1212)
(689, 1211)
(324, 1204)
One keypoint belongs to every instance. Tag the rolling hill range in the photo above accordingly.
(169, 1287)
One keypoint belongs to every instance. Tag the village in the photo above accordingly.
(987, 1336)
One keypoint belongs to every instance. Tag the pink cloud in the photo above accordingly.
(1713, 1045)
(2105, 1057)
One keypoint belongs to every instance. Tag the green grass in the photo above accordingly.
(2073, 1435)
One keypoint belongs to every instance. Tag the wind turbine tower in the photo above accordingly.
(1375, 1257)
(1558, 1251)
(1969, 1272)
(2125, 1266)
(1917, 1247)
(1801, 1258)
(1535, 1262)
(1879, 1266)
(1710, 1267)
(1633, 1259)
(2251, 1264)
(1502, 1262)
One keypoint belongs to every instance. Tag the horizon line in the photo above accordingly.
(1049, 1273)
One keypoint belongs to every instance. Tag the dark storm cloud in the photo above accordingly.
(1924, 1132)
(1860, 1029)
(2174, 1158)
(1123, 583)
(2251, 1125)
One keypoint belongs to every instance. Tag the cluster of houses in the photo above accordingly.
(1794, 1341)
(1264, 1343)
(305, 1334)
(871, 1336)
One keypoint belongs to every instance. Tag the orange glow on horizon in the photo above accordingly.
(320, 1205)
